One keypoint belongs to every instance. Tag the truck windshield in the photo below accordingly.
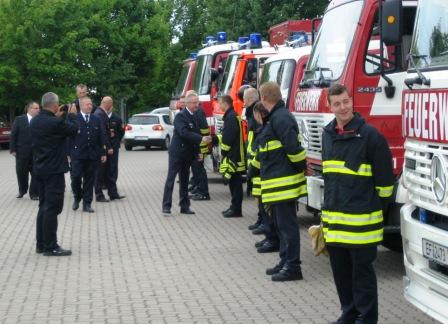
(201, 81)
(280, 72)
(430, 44)
(181, 82)
(229, 73)
(333, 42)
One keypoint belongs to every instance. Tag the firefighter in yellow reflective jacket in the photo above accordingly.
(282, 164)
(233, 163)
(357, 170)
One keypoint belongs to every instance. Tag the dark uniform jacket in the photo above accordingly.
(104, 118)
(357, 169)
(232, 146)
(21, 138)
(48, 135)
(186, 136)
(280, 158)
(116, 130)
(89, 142)
(252, 127)
(201, 123)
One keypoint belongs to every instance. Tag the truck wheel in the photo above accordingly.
(166, 144)
(393, 242)
(128, 147)
(4, 146)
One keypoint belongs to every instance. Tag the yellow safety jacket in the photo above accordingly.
(358, 173)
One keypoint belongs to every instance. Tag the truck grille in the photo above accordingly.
(417, 173)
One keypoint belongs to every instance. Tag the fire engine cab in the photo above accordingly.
(349, 50)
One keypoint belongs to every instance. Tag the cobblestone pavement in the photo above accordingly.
(132, 265)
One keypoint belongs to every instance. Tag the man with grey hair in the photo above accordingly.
(49, 132)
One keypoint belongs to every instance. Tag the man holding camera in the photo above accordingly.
(86, 148)
(49, 132)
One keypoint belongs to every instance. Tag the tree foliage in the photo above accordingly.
(130, 49)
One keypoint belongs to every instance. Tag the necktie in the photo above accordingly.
(87, 118)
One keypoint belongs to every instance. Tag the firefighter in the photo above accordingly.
(358, 178)
(282, 165)
(233, 163)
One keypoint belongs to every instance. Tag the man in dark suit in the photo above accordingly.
(20, 147)
(111, 166)
(86, 149)
(49, 132)
(183, 149)
(101, 113)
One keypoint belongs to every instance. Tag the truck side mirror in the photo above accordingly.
(391, 22)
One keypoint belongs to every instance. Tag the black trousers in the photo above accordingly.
(100, 174)
(270, 230)
(111, 173)
(285, 219)
(24, 167)
(83, 178)
(51, 201)
(199, 178)
(356, 283)
(177, 165)
(236, 191)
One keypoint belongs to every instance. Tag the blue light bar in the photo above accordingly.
(298, 39)
(255, 40)
(222, 37)
(193, 55)
(243, 40)
(210, 40)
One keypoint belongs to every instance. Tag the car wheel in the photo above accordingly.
(128, 147)
(167, 142)
(148, 147)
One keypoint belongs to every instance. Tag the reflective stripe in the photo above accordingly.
(225, 147)
(271, 145)
(385, 192)
(256, 186)
(339, 167)
(283, 195)
(283, 181)
(297, 157)
(250, 139)
(352, 219)
(352, 238)
(205, 131)
(255, 163)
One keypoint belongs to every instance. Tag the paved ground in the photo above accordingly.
(132, 265)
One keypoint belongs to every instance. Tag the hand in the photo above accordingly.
(110, 151)
(206, 139)
(103, 159)
(200, 157)
(72, 109)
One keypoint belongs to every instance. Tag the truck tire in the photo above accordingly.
(393, 242)
(4, 146)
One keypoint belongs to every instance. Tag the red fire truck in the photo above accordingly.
(424, 220)
(281, 33)
(349, 50)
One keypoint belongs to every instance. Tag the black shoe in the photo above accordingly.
(287, 275)
(117, 197)
(75, 205)
(187, 211)
(254, 225)
(102, 199)
(200, 197)
(34, 197)
(166, 211)
(39, 250)
(259, 230)
(274, 270)
(58, 252)
(226, 211)
(260, 243)
(268, 247)
(230, 214)
(20, 195)
(87, 209)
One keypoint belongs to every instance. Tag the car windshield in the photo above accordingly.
(201, 81)
(229, 73)
(332, 46)
(430, 45)
(144, 120)
(280, 72)
(166, 119)
(181, 82)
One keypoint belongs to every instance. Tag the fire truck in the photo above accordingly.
(281, 33)
(183, 84)
(349, 50)
(424, 220)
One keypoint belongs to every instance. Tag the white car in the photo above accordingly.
(148, 129)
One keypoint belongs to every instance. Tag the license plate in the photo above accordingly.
(435, 252)
(140, 138)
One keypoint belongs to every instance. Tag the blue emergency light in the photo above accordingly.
(255, 40)
(193, 55)
(243, 42)
(299, 37)
(210, 40)
(222, 37)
